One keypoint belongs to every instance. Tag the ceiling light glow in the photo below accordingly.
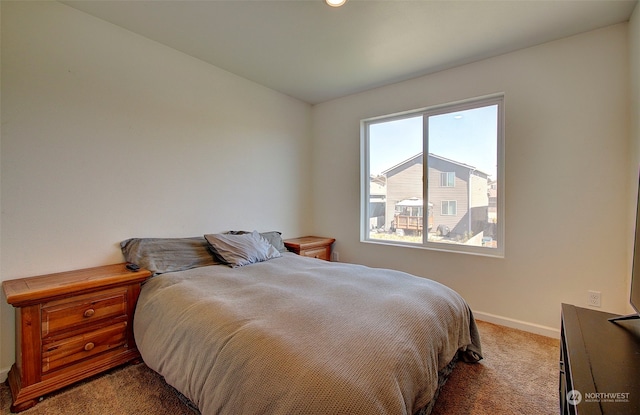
(335, 3)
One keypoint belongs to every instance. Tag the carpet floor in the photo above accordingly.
(518, 375)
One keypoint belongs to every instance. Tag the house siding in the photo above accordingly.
(403, 183)
(459, 193)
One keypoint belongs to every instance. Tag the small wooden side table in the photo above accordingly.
(69, 326)
(311, 246)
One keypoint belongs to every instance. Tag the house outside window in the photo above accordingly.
(436, 175)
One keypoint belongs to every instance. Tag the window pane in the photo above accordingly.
(447, 179)
(395, 180)
(465, 143)
(454, 154)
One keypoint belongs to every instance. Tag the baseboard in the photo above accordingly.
(3, 374)
(518, 324)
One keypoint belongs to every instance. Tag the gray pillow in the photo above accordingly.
(160, 255)
(273, 237)
(243, 249)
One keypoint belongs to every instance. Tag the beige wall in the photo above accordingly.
(107, 135)
(567, 183)
(634, 111)
(634, 60)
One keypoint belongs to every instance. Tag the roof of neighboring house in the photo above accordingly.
(377, 189)
(415, 159)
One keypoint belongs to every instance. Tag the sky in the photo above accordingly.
(468, 137)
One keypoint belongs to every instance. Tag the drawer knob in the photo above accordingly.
(89, 312)
(89, 346)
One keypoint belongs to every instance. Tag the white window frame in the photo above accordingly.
(448, 179)
(449, 203)
(495, 99)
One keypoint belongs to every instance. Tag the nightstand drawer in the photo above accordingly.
(82, 310)
(320, 253)
(74, 349)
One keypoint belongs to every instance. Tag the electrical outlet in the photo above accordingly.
(594, 298)
(335, 256)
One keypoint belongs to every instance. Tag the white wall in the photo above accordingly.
(5, 319)
(567, 178)
(107, 135)
(634, 60)
(634, 110)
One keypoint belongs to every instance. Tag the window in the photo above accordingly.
(447, 179)
(449, 207)
(433, 178)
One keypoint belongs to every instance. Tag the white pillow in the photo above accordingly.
(239, 250)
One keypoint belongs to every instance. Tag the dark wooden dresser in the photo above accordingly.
(69, 326)
(599, 363)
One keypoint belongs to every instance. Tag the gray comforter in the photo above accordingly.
(296, 335)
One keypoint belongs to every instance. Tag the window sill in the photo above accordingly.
(439, 247)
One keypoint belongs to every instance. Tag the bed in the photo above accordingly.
(277, 333)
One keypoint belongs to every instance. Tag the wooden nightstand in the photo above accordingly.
(311, 246)
(69, 326)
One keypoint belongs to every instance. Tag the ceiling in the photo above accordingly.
(313, 52)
